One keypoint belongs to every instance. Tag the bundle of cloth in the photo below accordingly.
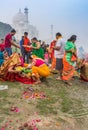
(82, 65)
(11, 70)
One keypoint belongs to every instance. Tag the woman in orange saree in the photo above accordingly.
(39, 68)
(69, 59)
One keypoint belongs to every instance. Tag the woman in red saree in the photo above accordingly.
(51, 54)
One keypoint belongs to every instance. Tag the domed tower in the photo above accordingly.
(26, 14)
(21, 25)
(19, 18)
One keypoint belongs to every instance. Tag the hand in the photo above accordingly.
(18, 47)
(24, 45)
(29, 66)
(31, 46)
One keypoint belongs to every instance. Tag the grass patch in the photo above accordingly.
(45, 107)
(59, 99)
(66, 103)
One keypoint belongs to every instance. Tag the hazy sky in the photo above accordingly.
(68, 16)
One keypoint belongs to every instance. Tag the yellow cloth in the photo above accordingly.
(84, 71)
(42, 71)
(11, 61)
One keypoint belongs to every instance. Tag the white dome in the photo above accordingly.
(19, 18)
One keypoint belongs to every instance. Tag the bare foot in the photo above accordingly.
(68, 83)
(59, 78)
(38, 82)
(72, 78)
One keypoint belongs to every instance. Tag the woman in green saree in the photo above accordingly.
(36, 48)
(69, 59)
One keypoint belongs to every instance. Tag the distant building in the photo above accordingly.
(21, 25)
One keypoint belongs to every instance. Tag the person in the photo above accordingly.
(43, 46)
(21, 59)
(36, 48)
(70, 57)
(84, 71)
(21, 45)
(7, 66)
(2, 45)
(9, 42)
(3, 56)
(46, 57)
(26, 50)
(51, 54)
(82, 68)
(59, 53)
(39, 68)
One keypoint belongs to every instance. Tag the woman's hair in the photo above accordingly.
(25, 33)
(34, 38)
(13, 31)
(72, 38)
(58, 34)
(32, 56)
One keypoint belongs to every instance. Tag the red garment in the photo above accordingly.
(51, 49)
(83, 78)
(2, 46)
(24, 80)
(16, 77)
(38, 62)
(27, 42)
(7, 40)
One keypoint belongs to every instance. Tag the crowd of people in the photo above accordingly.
(37, 60)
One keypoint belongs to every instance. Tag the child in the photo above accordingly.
(46, 58)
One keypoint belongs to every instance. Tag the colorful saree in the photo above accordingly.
(13, 61)
(51, 54)
(51, 49)
(38, 52)
(84, 72)
(10, 62)
(40, 69)
(68, 61)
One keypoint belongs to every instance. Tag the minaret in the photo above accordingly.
(26, 14)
